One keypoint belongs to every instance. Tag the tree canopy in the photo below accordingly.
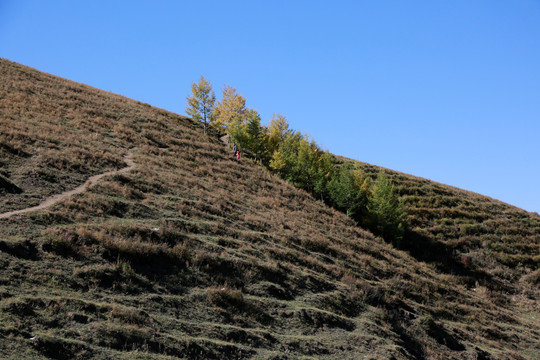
(231, 110)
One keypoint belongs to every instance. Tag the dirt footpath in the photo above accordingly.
(50, 201)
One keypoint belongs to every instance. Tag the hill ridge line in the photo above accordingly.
(54, 199)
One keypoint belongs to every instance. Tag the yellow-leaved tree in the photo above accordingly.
(231, 110)
(278, 128)
(200, 104)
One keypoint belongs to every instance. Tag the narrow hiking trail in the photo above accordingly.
(50, 201)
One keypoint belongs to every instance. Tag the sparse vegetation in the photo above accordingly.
(134, 267)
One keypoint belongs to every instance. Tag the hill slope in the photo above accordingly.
(468, 234)
(193, 254)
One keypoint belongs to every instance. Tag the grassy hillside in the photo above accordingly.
(194, 254)
(468, 234)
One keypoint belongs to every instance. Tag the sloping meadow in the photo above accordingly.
(467, 234)
(194, 254)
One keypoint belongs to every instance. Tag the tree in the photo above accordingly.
(231, 109)
(278, 129)
(306, 165)
(284, 159)
(349, 192)
(200, 104)
(325, 173)
(255, 136)
(388, 219)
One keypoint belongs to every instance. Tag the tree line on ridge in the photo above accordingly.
(372, 203)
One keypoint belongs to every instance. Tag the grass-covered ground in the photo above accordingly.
(194, 254)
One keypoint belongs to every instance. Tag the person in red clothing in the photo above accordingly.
(238, 154)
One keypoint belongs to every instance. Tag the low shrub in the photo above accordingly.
(533, 277)
(226, 297)
(323, 319)
(61, 242)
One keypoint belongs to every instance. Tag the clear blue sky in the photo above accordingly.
(445, 90)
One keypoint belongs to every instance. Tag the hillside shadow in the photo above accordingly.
(427, 250)
(7, 186)
(22, 249)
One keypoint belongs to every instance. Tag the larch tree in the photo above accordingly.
(349, 191)
(386, 210)
(231, 109)
(256, 136)
(277, 131)
(200, 105)
(284, 159)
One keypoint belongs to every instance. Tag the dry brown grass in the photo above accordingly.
(139, 260)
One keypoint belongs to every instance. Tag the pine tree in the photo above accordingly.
(200, 104)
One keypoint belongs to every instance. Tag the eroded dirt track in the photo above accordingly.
(50, 201)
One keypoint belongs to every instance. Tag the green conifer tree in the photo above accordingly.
(349, 191)
(388, 218)
(256, 141)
